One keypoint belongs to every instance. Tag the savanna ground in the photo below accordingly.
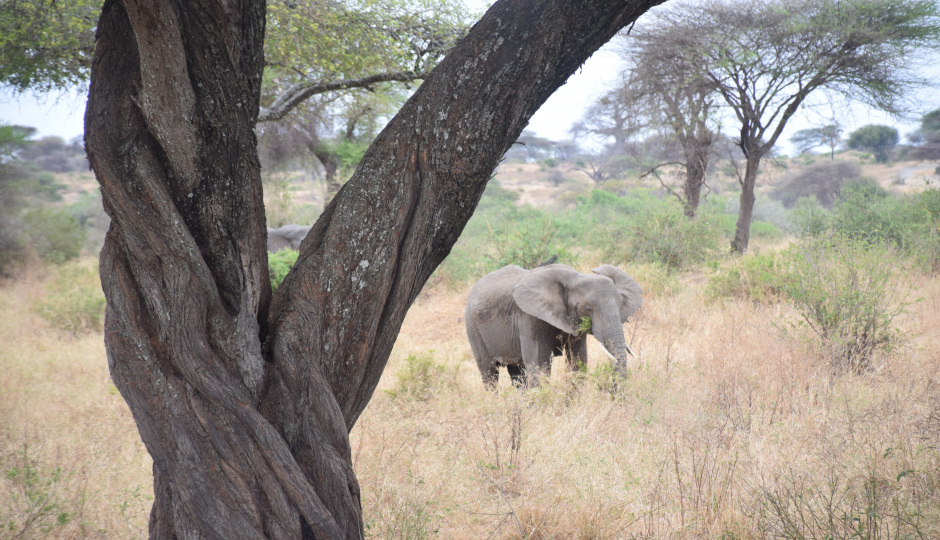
(735, 422)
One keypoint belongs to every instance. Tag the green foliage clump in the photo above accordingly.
(758, 277)
(348, 153)
(55, 234)
(34, 496)
(808, 217)
(910, 223)
(279, 264)
(762, 229)
(876, 139)
(665, 235)
(526, 246)
(74, 301)
(418, 378)
(657, 279)
(46, 46)
(845, 291)
(585, 326)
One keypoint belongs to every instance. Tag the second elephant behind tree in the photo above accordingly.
(521, 318)
(288, 236)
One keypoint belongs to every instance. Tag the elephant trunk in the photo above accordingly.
(609, 332)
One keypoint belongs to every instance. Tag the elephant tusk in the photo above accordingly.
(603, 348)
(630, 351)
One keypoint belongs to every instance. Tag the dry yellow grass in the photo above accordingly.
(726, 426)
(69, 449)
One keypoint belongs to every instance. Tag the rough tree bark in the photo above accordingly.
(696, 165)
(246, 403)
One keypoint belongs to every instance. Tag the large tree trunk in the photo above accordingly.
(246, 411)
(742, 232)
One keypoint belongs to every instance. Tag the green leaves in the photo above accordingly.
(279, 264)
(322, 40)
(46, 45)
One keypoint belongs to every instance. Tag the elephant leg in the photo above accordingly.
(537, 349)
(489, 367)
(576, 353)
(517, 374)
(490, 376)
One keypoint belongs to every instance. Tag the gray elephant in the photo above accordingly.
(288, 236)
(521, 318)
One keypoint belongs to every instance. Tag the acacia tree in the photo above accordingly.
(666, 110)
(46, 45)
(829, 135)
(245, 401)
(766, 59)
(876, 139)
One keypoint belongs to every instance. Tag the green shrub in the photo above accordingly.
(656, 279)
(526, 245)
(665, 235)
(74, 301)
(55, 234)
(846, 291)
(808, 217)
(768, 231)
(879, 500)
(418, 378)
(279, 264)
(758, 277)
(36, 502)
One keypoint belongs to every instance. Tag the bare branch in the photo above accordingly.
(298, 93)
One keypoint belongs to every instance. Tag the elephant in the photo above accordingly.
(288, 236)
(521, 318)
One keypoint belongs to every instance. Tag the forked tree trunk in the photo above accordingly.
(246, 410)
(742, 232)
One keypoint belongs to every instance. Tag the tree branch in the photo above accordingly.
(298, 93)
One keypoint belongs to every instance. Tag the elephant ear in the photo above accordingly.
(542, 294)
(628, 288)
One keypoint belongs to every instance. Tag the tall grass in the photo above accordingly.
(71, 462)
(725, 427)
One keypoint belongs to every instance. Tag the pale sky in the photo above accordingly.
(62, 115)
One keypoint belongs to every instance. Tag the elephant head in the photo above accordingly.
(561, 296)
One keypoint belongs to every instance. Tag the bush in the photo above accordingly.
(762, 229)
(665, 235)
(808, 217)
(758, 277)
(823, 181)
(526, 246)
(656, 279)
(846, 292)
(74, 301)
(279, 264)
(418, 378)
(55, 234)
(849, 501)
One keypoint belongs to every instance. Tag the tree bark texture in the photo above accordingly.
(246, 403)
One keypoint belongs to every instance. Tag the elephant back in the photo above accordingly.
(492, 294)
